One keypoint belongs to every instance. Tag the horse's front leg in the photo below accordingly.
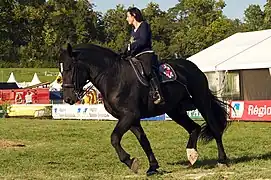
(123, 125)
(145, 144)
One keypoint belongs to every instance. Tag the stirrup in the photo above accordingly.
(159, 99)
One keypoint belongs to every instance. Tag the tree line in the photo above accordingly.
(33, 31)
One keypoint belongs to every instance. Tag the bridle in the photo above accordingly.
(75, 68)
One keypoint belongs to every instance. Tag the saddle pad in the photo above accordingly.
(167, 73)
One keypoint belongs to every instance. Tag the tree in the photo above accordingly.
(116, 28)
(33, 31)
(161, 27)
(86, 22)
(200, 23)
(7, 51)
(267, 15)
(66, 21)
(254, 18)
(29, 17)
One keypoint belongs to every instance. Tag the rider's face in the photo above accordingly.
(130, 18)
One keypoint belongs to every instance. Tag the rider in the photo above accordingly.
(141, 47)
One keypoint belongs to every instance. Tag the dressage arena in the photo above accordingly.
(74, 149)
(73, 142)
(53, 148)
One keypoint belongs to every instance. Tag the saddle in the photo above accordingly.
(165, 72)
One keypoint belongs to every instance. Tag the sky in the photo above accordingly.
(233, 9)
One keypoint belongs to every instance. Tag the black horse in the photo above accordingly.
(128, 100)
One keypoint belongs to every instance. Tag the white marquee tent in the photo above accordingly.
(35, 80)
(246, 54)
(11, 78)
(248, 50)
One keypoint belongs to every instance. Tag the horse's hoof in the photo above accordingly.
(152, 172)
(189, 165)
(135, 165)
(192, 156)
(222, 165)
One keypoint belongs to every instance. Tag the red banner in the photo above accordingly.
(25, 96)
(251, 110)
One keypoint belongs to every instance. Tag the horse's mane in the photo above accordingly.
(94, 47)
(113, 64)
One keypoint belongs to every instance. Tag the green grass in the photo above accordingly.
(82, 150)
(26, 74)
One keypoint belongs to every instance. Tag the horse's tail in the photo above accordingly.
(215, 121)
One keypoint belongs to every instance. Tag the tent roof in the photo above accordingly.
(11, 78)
(35, 80)
(247, 50)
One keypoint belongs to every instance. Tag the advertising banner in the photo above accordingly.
(30, 110)
(251, 110)
(156, 118)
(194, 114)
(65, 111)
(95, 111)
(25, 96)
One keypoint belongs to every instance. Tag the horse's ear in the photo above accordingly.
(61, 52)
(69, 49)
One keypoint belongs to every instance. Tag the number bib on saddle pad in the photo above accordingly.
(167, 73)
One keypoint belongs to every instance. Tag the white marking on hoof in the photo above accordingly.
(192, 155)
(222, 165)
(135, 165)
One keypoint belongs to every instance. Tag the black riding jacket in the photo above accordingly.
(141, 39)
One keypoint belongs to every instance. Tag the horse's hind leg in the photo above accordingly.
(214, 127)
(180, 117)
(222, 157)
(145, 144)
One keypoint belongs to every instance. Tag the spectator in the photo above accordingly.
(28, 97)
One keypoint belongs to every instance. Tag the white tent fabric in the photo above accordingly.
(35, 80)
(247, 50)
(11, 78)
(23, 84)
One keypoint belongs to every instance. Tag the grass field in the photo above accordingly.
(26, 74)
(82, 150)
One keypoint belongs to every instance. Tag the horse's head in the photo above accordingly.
(75, 75)
(86, 62)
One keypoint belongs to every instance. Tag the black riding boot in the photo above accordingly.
(156, 89)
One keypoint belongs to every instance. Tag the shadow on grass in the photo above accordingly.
(212, 163)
